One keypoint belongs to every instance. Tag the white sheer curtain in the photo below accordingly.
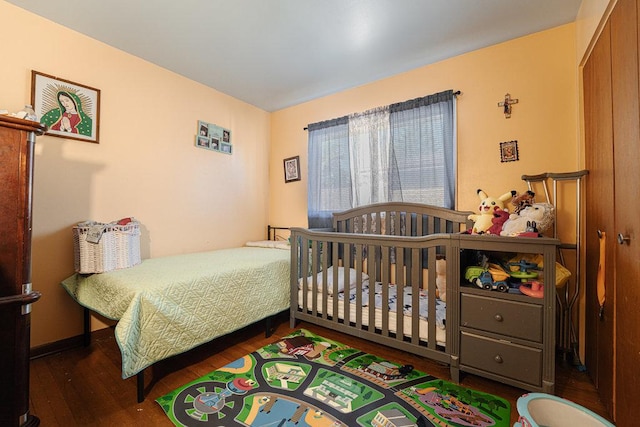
(369, 148)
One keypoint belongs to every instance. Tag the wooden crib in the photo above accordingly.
(339, 278)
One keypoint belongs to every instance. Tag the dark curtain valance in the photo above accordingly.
(435, 98)
(329, 123)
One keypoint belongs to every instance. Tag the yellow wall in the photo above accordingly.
(146, 164)
(539, 70)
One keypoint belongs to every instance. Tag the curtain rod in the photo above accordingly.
(456, 93)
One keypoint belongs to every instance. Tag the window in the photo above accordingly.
(402, 152)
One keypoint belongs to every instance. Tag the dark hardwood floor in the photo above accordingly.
(83, 386)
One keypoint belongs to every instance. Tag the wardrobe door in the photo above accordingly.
(626, 131)
(599, 190)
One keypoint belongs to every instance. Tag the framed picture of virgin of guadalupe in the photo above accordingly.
(69, 110)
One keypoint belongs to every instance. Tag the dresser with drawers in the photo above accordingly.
(17, 142)
(505, 336)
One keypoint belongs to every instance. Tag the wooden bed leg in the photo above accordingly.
(86, 337)
(271, 323)
(140, 385)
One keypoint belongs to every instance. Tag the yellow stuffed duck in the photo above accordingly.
(482, 221)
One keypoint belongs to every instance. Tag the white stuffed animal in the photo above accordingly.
(538, 217)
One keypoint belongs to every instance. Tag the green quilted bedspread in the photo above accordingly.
(166, 306)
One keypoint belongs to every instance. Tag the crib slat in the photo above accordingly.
(400, 284)
(304, 246)
(431, 295)
(315, 248)
(371, 268)
(385, 279)
(415, 296)
(335, 263)
(430, 226)
(347, 283)
(359, 286)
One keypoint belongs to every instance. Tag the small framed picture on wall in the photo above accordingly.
(203, 141)
(509, 151)
(292, 169)
(203, 128)
(225, 148)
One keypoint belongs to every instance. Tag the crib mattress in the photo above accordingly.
(441, 332)
(166, 306)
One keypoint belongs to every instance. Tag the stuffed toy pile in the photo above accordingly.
(527, 219)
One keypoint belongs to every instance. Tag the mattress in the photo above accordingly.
(392, 314)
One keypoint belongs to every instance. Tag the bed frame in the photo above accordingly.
(268, 322)
(391, 243)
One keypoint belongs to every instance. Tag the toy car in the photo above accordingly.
(493, 278)
(485, 281)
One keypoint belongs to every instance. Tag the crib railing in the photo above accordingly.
(401, 219)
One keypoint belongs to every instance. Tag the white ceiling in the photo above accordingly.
(278, 53)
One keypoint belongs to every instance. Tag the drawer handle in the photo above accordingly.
(498, 359)
(498, 317)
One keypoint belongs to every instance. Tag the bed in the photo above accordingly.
(168, 305)
(341, 278)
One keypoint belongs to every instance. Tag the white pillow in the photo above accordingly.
(275, 244)
(319, 279)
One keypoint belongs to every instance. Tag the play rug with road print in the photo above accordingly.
(307, 380)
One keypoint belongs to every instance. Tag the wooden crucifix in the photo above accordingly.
(506, 105)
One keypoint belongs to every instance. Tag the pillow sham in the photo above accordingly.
(275, 244)
(341, 281)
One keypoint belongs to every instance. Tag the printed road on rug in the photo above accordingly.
(307, 380)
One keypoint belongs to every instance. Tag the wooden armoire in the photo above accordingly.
(17, 140)
(612, 153)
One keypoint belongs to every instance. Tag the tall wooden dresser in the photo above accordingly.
(17, 140)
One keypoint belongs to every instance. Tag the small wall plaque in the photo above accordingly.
(509, 151)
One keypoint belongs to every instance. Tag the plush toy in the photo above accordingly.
(441, 278)
(500, 216)
(537, 217)
(521, 201)
(482, 221)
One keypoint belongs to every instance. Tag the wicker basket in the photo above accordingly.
(117, 246)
